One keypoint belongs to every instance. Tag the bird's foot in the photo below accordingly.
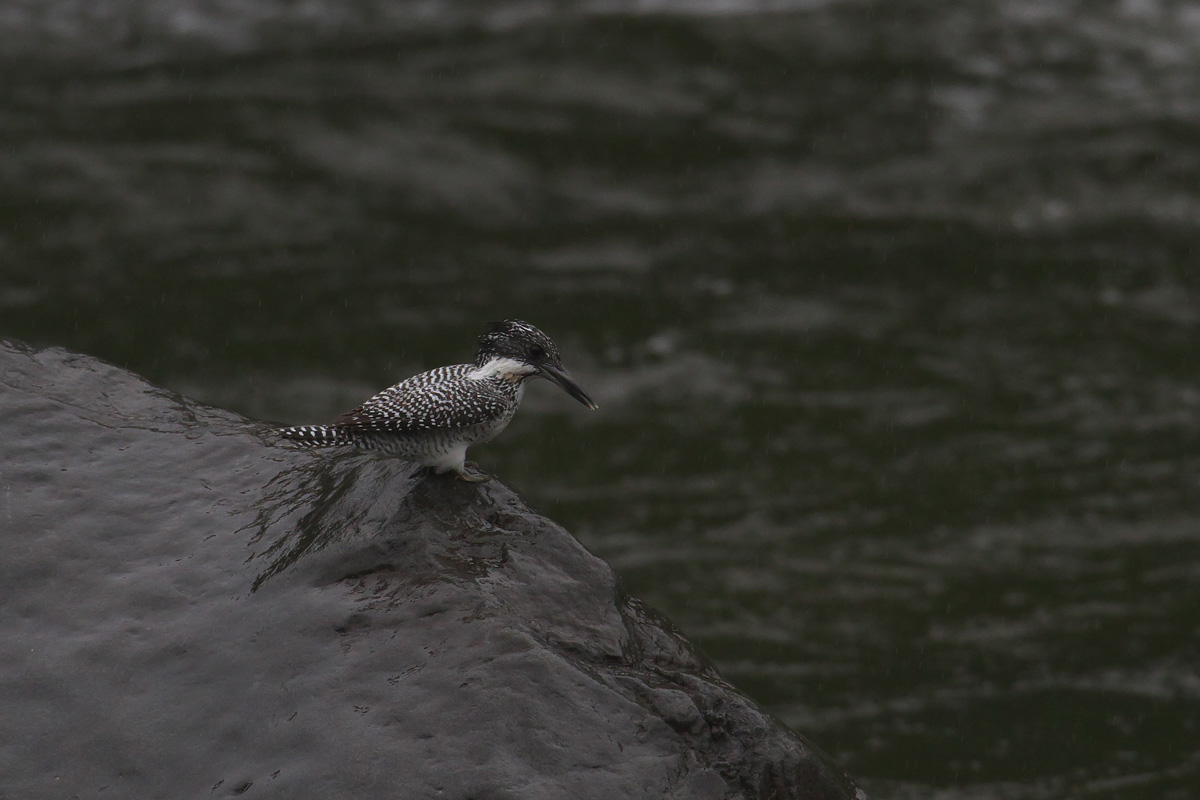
(473, 477)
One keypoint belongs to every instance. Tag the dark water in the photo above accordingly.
(890, 309)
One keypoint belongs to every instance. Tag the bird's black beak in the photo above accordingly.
(564, 379)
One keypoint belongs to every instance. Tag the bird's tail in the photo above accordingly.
(319, 435)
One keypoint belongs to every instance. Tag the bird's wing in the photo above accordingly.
(438, 399)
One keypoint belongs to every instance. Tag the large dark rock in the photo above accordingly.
(188, 610)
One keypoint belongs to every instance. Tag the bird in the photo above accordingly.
(432, 418)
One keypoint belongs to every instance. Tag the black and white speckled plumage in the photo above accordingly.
(432, 418)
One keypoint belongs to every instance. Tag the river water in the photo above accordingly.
(890, 310)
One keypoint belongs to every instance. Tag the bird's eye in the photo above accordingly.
(537, 351)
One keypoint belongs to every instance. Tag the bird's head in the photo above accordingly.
(533, 350)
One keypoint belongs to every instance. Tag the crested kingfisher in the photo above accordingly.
(432, 418)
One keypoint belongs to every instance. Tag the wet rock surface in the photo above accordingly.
(188, 610)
